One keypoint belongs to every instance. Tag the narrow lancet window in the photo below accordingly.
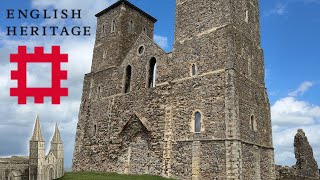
(246, 16)
(197, 122)
(103, 29)
(127, 79)
(131, 26)
(193, 70)
(152, 73)
(113, 26)
(105, 54)
(249, 67)
(253, 123)
(95, 129)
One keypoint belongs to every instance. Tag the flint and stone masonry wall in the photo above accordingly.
(152, 130)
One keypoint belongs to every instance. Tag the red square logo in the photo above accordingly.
(55, 91)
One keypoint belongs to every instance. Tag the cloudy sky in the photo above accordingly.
(290, 39)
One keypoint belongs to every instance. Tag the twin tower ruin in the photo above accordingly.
(199, 112)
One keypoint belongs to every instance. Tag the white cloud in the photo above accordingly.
(302, 88)
(162, 41)
(285, 157)
(290, 111)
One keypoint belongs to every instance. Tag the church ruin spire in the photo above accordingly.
(37, 135)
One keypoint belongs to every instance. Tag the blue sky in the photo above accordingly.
(290, 39)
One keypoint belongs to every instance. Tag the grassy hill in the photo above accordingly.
(106, 176)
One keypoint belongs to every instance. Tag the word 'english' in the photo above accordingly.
(44, 14)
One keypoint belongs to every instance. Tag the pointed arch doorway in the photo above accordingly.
(51, 174)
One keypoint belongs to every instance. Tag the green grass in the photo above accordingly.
(106, 176)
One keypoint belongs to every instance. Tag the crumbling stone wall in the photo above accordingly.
(306, 164)
(306, 167)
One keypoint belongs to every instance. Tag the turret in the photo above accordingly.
(57, 150)
(36, 154)
(119, 26)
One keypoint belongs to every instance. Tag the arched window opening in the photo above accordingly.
(99, 91)
(152, 73)
(94, 129)
(197, 122)
(104, 29)
(105, 54)
(246, 16)
(131, 26)
(145, 30)
(193, 70)
(249, 67)
(113, 26)
(253, 123)
(127, 79)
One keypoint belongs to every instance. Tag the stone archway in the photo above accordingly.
(51, 174)
(136, 139)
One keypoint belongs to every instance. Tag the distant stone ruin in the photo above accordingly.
(306, 167)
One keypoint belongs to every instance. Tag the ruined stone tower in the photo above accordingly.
(200, 112)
